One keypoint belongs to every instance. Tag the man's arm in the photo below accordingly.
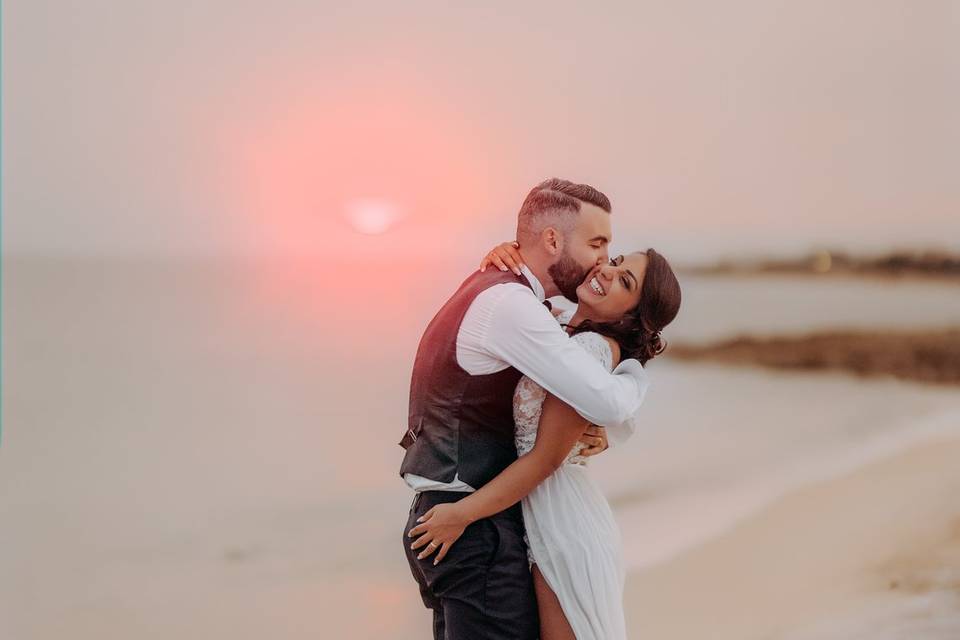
(524, 334)
(617, 434)
(622, 432)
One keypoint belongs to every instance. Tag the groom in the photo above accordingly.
(493, 330)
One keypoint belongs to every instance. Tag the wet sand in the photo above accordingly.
(872, 554)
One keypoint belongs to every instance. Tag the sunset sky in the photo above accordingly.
(403, 128)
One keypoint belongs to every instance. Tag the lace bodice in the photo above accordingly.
(529, 396)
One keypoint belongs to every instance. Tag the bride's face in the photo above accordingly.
(610, 291)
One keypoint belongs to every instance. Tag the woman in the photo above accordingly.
(574, 543)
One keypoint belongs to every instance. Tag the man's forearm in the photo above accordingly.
(603, 398)
(524, 334)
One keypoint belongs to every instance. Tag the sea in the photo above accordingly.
(207, 448)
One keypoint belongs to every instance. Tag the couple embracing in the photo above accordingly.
(508, 537)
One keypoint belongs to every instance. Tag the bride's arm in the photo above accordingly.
(505, 256)
(560, 428)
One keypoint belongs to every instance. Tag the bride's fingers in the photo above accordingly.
(511, 264)
(443, 552)
(498, 262)
(422, 540)
(509, 257)
(423, 526)
(492, 260)
(428, 550)
(511, 254)
(505, 256)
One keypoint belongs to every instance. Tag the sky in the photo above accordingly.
(223, 128)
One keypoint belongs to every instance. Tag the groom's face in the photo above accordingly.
(584, 247)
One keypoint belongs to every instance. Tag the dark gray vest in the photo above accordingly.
(459, 423)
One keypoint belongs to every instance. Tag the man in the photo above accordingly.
(493, 330)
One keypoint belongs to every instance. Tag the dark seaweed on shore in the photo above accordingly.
(924, 356)
(930, 264)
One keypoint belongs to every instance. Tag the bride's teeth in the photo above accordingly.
(595, 285)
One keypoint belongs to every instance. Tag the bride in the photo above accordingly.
(574, 545)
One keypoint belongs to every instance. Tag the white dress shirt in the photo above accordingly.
(508, 325)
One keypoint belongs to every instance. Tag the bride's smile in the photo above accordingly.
(611, 290)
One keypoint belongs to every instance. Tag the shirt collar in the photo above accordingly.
(534, 283)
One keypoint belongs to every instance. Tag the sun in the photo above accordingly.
(372, 216)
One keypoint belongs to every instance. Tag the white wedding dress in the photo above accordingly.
(571, 532)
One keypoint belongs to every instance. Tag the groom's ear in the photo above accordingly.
(552, 241)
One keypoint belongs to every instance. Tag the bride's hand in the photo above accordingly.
(441, 526)
(504, 256)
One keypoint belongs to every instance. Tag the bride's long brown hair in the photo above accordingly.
(638, 332)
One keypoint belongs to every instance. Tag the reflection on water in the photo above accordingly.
(202, 449)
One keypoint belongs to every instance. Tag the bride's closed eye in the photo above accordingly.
(624, 280)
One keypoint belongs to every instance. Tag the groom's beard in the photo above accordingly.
(567, 275)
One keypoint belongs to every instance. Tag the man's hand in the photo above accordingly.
(596, 440)
(505, 256)
(440, 527)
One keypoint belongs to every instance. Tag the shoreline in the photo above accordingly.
(799, 274)
(837, 553)
(920, 264)
(929, 356)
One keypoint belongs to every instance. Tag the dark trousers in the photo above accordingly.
(483, 588)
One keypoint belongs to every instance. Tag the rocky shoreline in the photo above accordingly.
(927, 264)
(931, 356)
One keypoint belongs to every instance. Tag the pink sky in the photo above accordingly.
(137, 127)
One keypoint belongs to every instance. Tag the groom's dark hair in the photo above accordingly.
(555, 203)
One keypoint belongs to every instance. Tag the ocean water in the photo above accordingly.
(201, 448)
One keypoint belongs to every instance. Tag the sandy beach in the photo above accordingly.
(872, 554)
(187, 455)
